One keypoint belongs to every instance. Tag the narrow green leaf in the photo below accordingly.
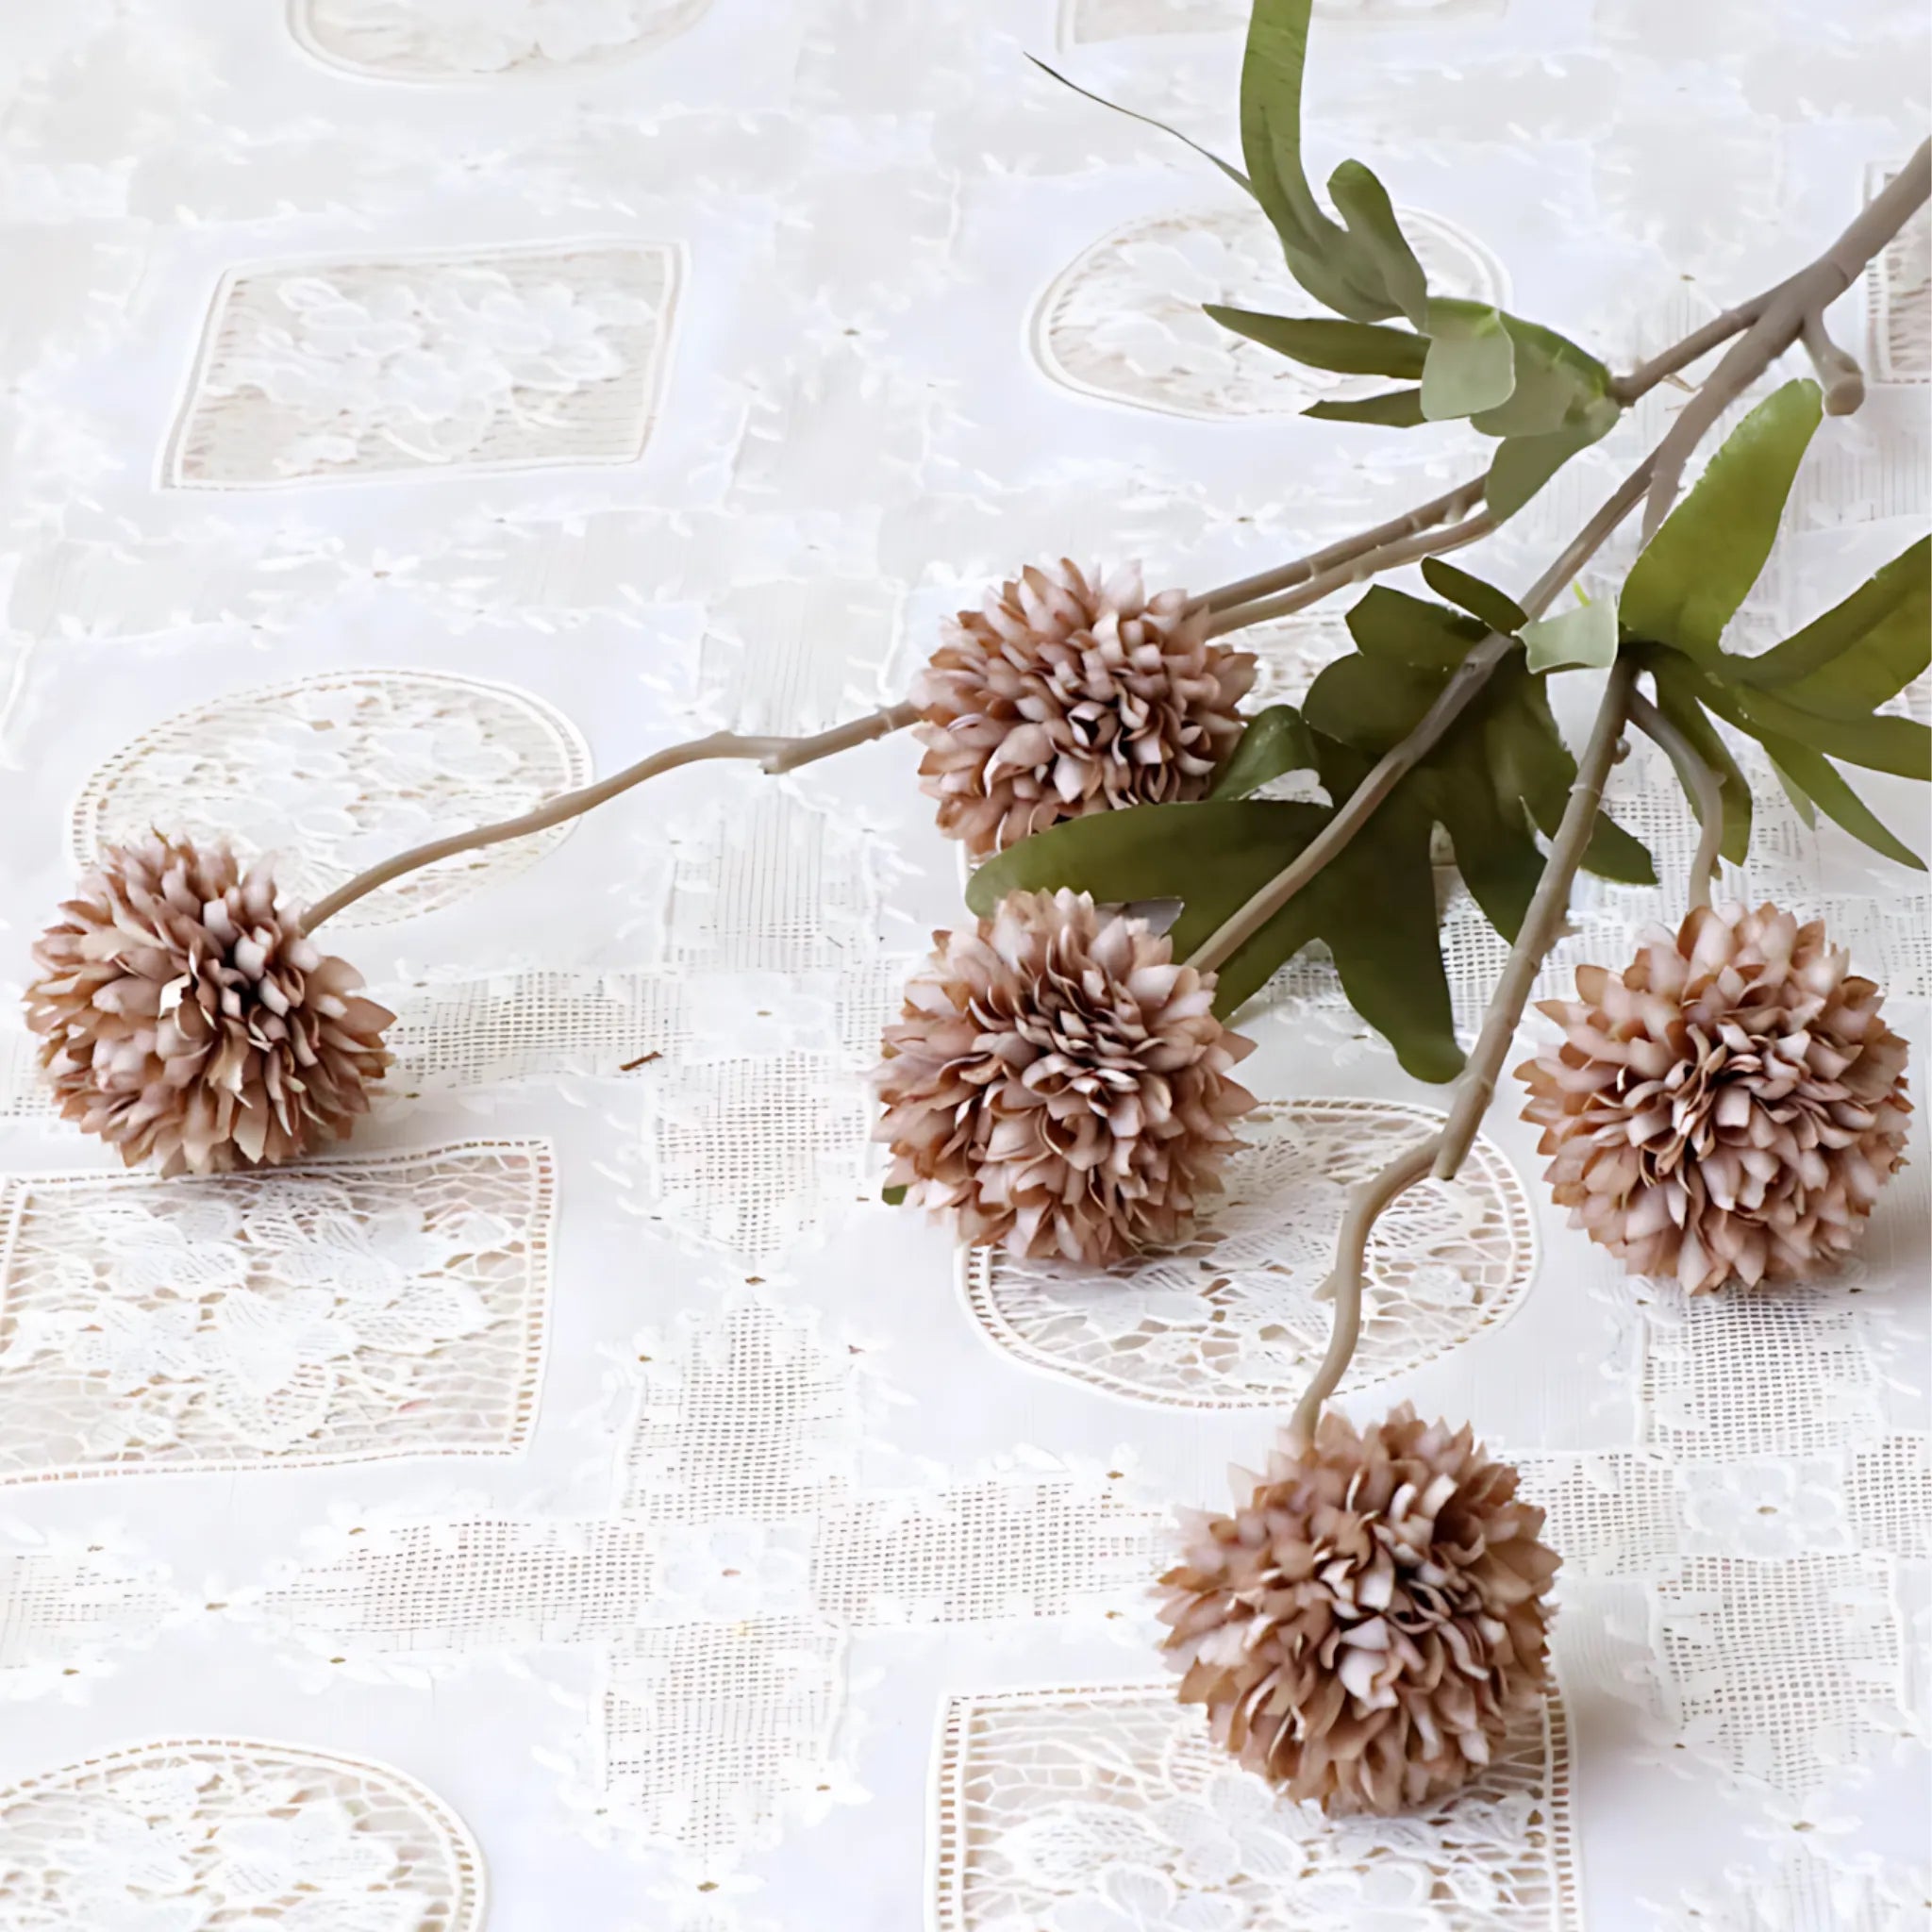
(1397, 408)
(1349, 348)
(1555, 382)
(1884, 743)
(1365, 207)
(894, 1197)
(1392, 628)
(1862, 651)
(1275, 742)
(1524, 464)
(1472, 360)
(1802, 801)
(1823, 782)
(1497, 858)
(1201, 854)
(1484, 602)
(1586, 635)
(1700, 566)
(1678, 682)
(1369, 704)
(1232, 172)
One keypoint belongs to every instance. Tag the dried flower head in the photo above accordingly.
(1059, 1083)
(1367, 1624)
(1726, 1109)
(184, 1016)
(1067, 694)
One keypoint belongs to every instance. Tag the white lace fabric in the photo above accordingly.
(580, 1500)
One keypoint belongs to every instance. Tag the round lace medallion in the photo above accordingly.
(1124, 321)
(202, 1831)
(333, 773)
(1230, 1321)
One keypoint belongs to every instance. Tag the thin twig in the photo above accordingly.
(1439, 510)
(1396, 764)
(1441, 1153)
(1700, 341)
(1703, 784)
(1782, 321)
(1356, 570)
(1540, 925)
(1839, 373)
(772, 755)
(1366, 1201)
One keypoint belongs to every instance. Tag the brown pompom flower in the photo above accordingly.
(184, 1016)
(1365, 1627)
(1067, 694)
(1059, 1083)
(1726, 1109)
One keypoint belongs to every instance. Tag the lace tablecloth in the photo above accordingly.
(581, 1503)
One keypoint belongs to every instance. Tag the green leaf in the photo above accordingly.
(1232, 172)
(1555, 382)
(1700, 566)
(1524, 464)
(1275, 742)
(1195, 853)
(1497, 858)
(1396, 408)
(1349, 348)
(1365, 270)
(1392, 628)
(1365, 207)
(1802, 801)
(1369, 705)
(1484, 602)
(1900, 745)
(894, 1197)
(1472, 360)
(1586, 635)
(1817, 776)
(1677, 682)
(1375, 905)
(1861, 652)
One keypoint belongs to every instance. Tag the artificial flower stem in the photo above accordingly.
(1444, 1153)
(1794, 309)
(1703, 785)
(1548, 905)
(1355, 570)
(1396, 764)
(1344, 1287)
(771, 755)
(1445, 508)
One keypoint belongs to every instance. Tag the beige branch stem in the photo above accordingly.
(771, 755)
(1789, 310)
(1839, 373)
(1444, 1153)
(1703, 785)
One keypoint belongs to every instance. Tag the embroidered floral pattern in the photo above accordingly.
(1230, 1320)
(358, 368)
(179, 1835)
(325, 1314)
(332, 774)
(466, 40)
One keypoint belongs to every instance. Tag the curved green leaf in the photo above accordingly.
(1349, 348)
(1524, 464)
(1484, 602)
(1398, 409)
(1472, 360)
(1861, 652)
(1369, 705)
(1585, 636)
(1700, 566)
(1821, 781)
(1227, 168)
(1392, 628)
(1900, 745)
(1275, 741)
(1555, 381)
(1497, 858)
(1365, 207)
(1678, 682)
